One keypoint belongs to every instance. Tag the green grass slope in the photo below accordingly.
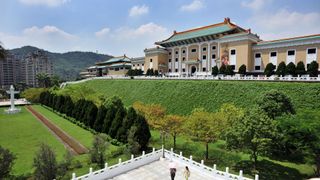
(180, 97)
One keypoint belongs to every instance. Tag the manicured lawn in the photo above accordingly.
(182, 96)
(85, 137)
(22, 134)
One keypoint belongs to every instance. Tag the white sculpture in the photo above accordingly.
(12, 109)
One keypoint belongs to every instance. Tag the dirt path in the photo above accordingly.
(73, 145)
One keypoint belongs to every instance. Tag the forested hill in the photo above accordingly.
(66, 65)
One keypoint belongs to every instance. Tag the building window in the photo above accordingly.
(137, 64)
(176, 52)
(257, 68)
(204, 69)
(150, 60)
(233, 52)
(213, 47)
(291, 53)
(183, 59)
(183, 51)
(142, 64)
(312, 51)
(121, 68)
(204, 49)
(193, 50)
(183, 70)
(169, 70)
(233, 67)
(134, 65)
(204, 57)
(176, 59)
(169, 60)
(258, 55)
(116, 69)
(176, 70)
(213, 56)
(273, 54)
(169, 53)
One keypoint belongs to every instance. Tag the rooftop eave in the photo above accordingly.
(295, 42)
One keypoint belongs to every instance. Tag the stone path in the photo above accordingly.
(159, 170)
(73, 145)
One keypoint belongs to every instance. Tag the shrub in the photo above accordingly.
(6, 162)
(281, 70)
(242, 69)
(291, 69)
(269, 70)
(229, 70)
(222, 69)
(313, 69)
(215, 70)
(300, 70)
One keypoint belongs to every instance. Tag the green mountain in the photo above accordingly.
(66, 65)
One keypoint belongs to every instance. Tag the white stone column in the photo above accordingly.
(200, 64)
(187, 59)
(209, 58)
(172, 60)
(218, 55)
(180, 60)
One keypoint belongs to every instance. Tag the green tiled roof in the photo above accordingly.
(288, 40)
(115, 60)
(198, 33)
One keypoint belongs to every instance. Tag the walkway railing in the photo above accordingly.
(206, 77)
(144, 159)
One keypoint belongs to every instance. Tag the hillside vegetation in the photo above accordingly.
(181, 97)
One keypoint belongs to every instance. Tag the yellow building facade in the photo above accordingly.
(196, 51)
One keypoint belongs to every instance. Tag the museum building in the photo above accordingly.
(196, 51)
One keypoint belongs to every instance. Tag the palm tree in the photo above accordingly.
(43, 80)
(3, 52)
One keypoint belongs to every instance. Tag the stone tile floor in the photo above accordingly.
(159, 170)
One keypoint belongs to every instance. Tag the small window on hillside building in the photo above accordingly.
(204, 69)
(116, 69)
(176, 70)
(204, 57)
(257, 68)
(183, 51)
(233, 52)
(213, 47)
(312, 51)
(258, 55)
(193, 50)
(169, 70)
(176, 59)
(213, 56)
(183, 70)
(183, 59)
(169, 60)
(177, 52)
(150, 60)
(204, 49)
(169, 53)
(291, 53)
(273, 54)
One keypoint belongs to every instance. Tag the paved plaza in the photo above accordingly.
(159, 170)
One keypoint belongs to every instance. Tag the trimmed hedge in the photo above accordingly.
(182, 96)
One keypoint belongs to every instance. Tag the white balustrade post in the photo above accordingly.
(256, 177)
(227, 172)
(162, 147)
(90, 171)
(202, 162)
(214, 168)
(240, 175)
(120, 160)
(143, 153)
(153, 150)
(73, 176)
(105, 166)
(180, 153)
(171, 153)
(132, 156)
(190, 158)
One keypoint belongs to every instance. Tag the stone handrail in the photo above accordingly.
(144, 159)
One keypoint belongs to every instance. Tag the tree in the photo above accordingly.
(45, 163)
(54, 80)
(90, 114)
(269, 70)
(6, 162)
(281, 70)
(99, 147)
(205, 127)
(300, 70)
(98, 124)
(156, 73)
(215, 70)
(142, 134)
(291, 69)
(231, 113)
(229, 70)
(117, 122)
(222, 69)
(313, 69)
(68, 106)
(174, 124)
(153, 113)
(253, 134)
(3, 52)
(151, 72)
(275, 103)
(122, 134)
(133, 145)
(43, 80)
(242, 69)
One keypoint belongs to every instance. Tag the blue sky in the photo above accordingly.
(128, 26)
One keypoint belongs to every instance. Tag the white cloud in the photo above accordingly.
(284, 23)
(255, 4)
(47, 31)
(193, 6)
(49, 3)
(138, 10)
(102, 32)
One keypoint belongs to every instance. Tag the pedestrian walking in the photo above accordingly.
(186, 173)
(173, 170)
